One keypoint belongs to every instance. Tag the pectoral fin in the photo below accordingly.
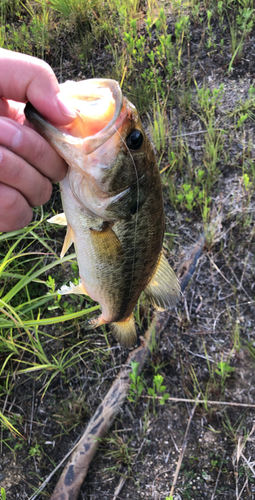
(58, 219)
(106, 242)
(76, 289)
(163, 290)
(69, 239)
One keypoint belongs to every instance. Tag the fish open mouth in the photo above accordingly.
(100, 109)
(98, 105)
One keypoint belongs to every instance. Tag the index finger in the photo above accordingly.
(26, 78)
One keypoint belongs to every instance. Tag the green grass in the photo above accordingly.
(26, 302)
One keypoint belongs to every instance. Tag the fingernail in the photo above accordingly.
(64, 107)
(10, 133)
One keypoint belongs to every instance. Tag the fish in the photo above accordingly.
(113, 205)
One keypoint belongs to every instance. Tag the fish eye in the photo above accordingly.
(134, 140)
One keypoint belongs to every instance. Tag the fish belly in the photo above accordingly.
(92, 270)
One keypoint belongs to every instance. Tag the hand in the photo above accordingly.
(28, 164)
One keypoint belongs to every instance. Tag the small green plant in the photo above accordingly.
(241, 120)
(244, 108)
(217, 461)
(35, 451)
(240, 28)
(234, 430)
(72, 411)
(193, 196)
(224, 370)
(246, 182)
(72, 7)
(208, 101)
(187, 197)
(159, 125)
(32, 35)
(220, 12)
(120, 450)
(157, 391)
(251, 348)
(137, 385)
(210, 40)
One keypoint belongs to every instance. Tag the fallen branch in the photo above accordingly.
(72, 477)
(75, 471)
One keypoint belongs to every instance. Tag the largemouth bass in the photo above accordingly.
(113, 205)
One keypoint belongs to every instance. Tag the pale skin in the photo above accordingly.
(28, 164)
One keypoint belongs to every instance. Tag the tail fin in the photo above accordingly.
(125, 332)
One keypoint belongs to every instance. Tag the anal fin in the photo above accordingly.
(125, 332)
(163, 290)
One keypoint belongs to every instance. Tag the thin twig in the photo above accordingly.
(186, 309)
(124, 478)
(48, 478)
(201, 401)
(189, 133)
(32, 414)
(231, 307)
(240, 284)
(244, 485)
(217, 480)
(219, 271)
(248, 463)
(207, 358)
(185, 440)
(120, 486)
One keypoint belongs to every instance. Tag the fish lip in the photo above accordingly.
(90, 143)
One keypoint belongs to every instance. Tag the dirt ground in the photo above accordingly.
(214, 324)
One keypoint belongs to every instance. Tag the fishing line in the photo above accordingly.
(137, 206)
